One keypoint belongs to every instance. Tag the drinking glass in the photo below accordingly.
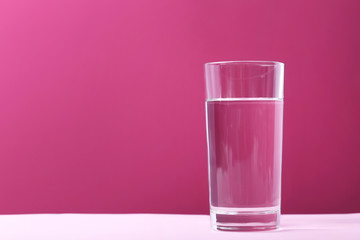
(244, 118)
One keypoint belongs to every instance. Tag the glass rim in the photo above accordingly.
(250, 62)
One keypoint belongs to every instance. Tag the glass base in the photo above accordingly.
(241, 219)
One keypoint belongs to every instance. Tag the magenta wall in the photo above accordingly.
(102, 102)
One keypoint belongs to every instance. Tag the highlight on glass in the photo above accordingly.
(244, 119)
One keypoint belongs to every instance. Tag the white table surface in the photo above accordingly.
(163, 226)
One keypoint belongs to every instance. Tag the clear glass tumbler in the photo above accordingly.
(244, 118)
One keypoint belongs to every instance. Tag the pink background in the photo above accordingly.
(102, 102)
